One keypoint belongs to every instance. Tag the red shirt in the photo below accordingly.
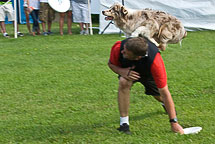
(158, 70)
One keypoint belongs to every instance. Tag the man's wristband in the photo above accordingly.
(174, 120)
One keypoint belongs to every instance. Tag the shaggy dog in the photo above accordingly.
(159, 27)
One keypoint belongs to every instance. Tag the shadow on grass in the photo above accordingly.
(146, 115)
(51, 132)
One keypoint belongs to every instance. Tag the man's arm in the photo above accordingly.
(127, 73)
(170, 107)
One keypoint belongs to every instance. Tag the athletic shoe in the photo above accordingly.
(49, 32)
(45, 33)
(20, 34)
(166, 110)
(86, 32)
(82, 32)
(6, 35)
(124, 128)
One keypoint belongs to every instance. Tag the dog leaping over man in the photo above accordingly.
(159, 27)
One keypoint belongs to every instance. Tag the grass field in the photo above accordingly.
(58, 89)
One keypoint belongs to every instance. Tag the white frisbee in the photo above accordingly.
(60, 5)
(192, 130)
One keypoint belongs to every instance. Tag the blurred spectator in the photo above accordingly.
(69, 20)
(46, 14)
(27, 16)
(33, 9)
(6, 9)
(81, 15)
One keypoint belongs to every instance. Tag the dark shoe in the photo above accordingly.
(20, 34)
(49, 32)
(166, 110)
(124, 128)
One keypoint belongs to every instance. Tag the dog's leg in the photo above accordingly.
(144, 31)
(153, 41)
(162, 46)
(164, 36)
(139, 31)
(127, 35)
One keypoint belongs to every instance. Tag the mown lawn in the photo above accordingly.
(58, 89)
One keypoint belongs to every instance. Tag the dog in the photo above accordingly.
(159, 27)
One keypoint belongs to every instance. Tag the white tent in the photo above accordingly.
(95, 6)
(194, 14)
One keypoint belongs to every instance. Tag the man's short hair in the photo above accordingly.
(138, 46)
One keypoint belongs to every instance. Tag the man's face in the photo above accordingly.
(128, 54)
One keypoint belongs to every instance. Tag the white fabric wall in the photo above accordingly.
(194, 14)
(95, 6)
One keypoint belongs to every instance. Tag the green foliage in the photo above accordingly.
(95, 18)
(58, 89)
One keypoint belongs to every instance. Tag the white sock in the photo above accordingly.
(124, 120)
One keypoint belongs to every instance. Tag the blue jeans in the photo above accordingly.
(35, 16)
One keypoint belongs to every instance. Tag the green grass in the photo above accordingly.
(58, 89)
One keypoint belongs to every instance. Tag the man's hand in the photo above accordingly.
(129, 74)
(177, 128)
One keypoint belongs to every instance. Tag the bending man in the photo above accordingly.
(139, 60)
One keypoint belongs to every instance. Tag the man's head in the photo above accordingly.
(135, 48)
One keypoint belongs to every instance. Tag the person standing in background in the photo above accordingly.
(46, 14)
(81, 15)
(33, 8)
(6, 10)
(25, 5)
(69, 20)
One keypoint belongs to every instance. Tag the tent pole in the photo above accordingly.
(15, 19)
(19, 9)
(91, 27)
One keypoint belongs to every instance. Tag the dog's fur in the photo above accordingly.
(159, 27)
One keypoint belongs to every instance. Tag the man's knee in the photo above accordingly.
(124, 83)
(159, 98)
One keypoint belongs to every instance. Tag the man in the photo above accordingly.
(46, 14)
(26, 11)
(69, 20)
(81, 15)
(33, 10)
(138, 60)
(6, 9)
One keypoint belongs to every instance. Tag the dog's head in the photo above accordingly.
(116, 11)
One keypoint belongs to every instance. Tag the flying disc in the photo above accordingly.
(192, 130)
(60, 5)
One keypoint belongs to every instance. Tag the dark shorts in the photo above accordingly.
(150, 87)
